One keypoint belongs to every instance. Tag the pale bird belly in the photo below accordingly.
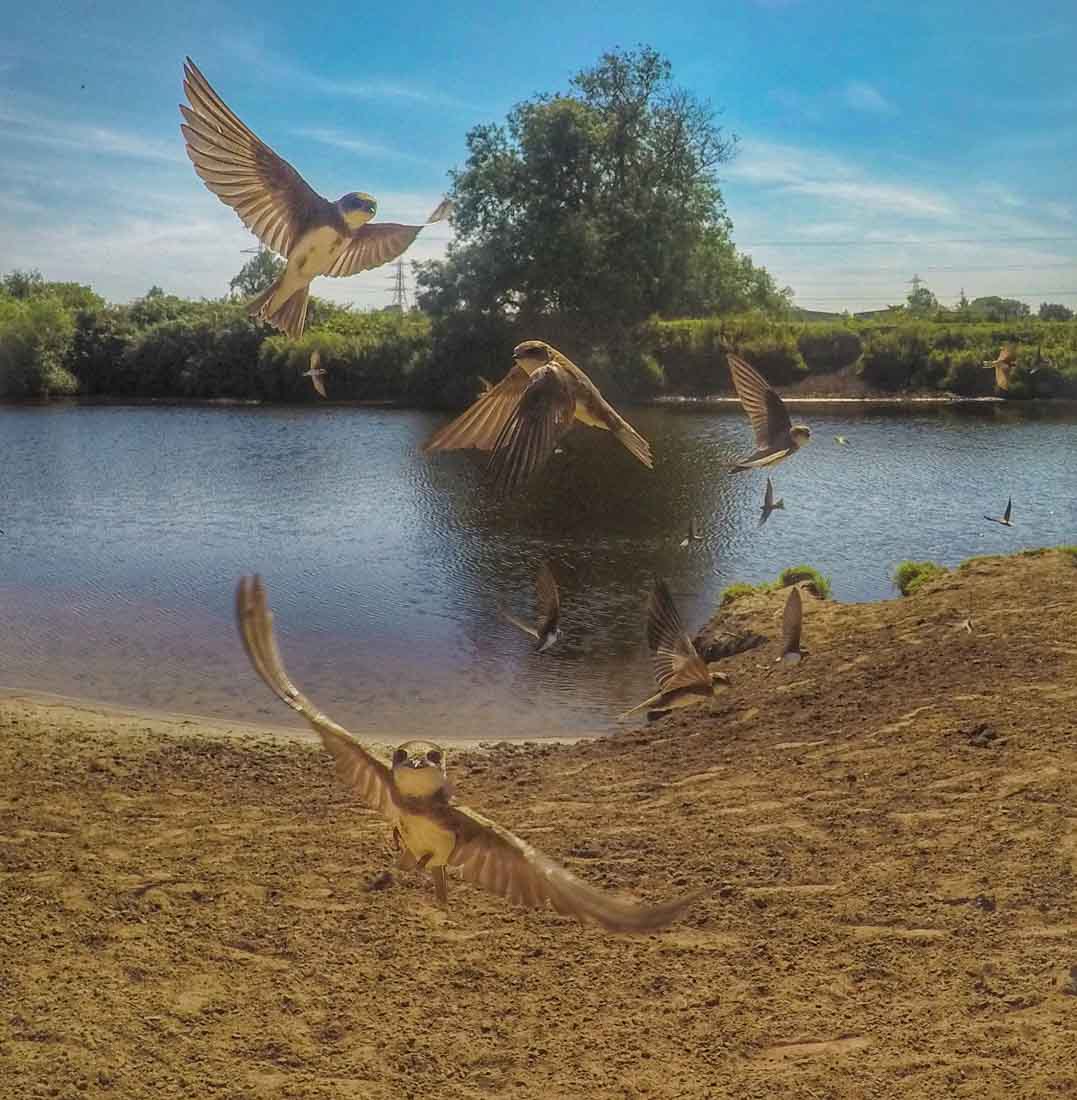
(316, 252)
(424, 837)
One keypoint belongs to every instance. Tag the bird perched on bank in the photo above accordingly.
(775, 436)
(769, 504)
(694, 533)
(547, 629)
(316, 236)
(792, 620)
(523, 418)
(681, 672)
(1004, 519)
(316, 373)
(432, 831)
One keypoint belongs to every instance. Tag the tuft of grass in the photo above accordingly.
(976, 559)
(910, 575)
(1071, 550)
(799, 574)
(795, 574)
(735, 591)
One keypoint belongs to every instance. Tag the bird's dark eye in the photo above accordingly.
(399, 756)
(434, 756)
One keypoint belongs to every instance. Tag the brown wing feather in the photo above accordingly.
(373, 245)
(792, 618)
(677, 663)
(368, 776)
(547, 600)
(481, 424)
(498, 861)
(270, 196)
(541, 418)
(764, 407)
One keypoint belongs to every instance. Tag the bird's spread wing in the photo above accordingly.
(677, 663)
(1009, 509)
(498, 861)
(791, 622)
(368, 776)
(768, 497)
(373, 245)
(316, 380)
(541, 417)
(547, 600)
(270, 196)
(594, 410)
(481, 424)
(527, 628)
(764, 407)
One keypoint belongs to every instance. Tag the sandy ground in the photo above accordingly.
(889, 832)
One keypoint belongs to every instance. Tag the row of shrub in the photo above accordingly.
(166, 347)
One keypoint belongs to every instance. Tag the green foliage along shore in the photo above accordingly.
(60, 339)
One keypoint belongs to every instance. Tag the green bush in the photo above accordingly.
(35, 339)
(828, 348)
(910, 575)
(892, 360)
(805, 574)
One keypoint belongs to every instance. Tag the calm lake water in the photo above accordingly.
(125, 530)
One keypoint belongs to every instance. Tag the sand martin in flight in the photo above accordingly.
(523, 418)
(316, 373)
(775, 437)
(681, 672)
(315, 236)
(1004, 519)
(547, 629)
(769, 504)
(434, 832)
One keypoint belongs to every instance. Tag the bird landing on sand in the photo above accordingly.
(523, 418)
(776, 437)
(682, 674)
(433, 832)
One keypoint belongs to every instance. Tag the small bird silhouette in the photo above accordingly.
(841, 441)
(547, 628)
(694, 533)
(1004, 519)
(316, 373)
(769, 504)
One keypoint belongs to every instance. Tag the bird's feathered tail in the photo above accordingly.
(290, 318)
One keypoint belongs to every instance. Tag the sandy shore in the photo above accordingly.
(888, 832)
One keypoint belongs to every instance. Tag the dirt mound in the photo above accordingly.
(889, 830)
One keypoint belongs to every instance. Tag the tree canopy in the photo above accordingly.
(599, 205)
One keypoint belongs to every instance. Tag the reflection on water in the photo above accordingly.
(126, 528)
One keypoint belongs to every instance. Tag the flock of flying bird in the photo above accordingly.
(520, 422)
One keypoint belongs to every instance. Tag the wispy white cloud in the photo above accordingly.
(39, 129)
(862, 96)
(357, 145)
(797, 171)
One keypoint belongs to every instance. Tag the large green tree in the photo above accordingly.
(598, 206)
(256, 274)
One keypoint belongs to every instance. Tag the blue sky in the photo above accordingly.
(876, 140)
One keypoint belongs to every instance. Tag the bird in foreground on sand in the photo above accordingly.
(694, 533)
(1004, 519)
(792, 620)
(431, 830)
(547, 629)
(523, 418)
(769, 504)
(775, 437)
(315, 236)
(681, 672)
(316, 373)
(1003, 365)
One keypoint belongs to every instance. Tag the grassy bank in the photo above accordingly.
(64, 340)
